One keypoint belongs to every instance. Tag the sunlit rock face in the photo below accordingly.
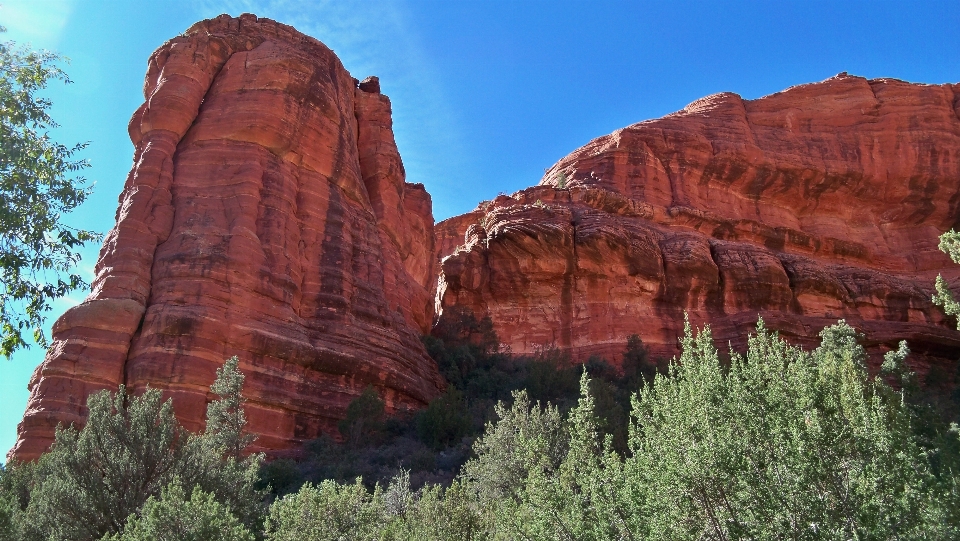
(266, 216)
(821, 202)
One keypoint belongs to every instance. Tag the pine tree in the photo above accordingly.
(226, 420)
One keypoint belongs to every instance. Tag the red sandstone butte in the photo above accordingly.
(821, 202)
(266, 216)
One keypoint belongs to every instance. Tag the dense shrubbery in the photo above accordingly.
(775, 443)
(131, 465)
(433, 444)
(175, 516)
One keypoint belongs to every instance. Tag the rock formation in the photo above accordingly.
(266, 216)
(821, 202)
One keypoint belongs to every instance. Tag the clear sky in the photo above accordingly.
(486, 95)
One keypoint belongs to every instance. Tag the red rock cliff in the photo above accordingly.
(821, 202)
(266, 216)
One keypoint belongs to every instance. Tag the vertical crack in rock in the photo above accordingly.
(331, 295)
(791, 283)
(567, 291)
(956, 100)
(719, 301)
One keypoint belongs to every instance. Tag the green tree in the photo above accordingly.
(439, 514)
(216, 463)
(38, 185)
(131, 449)
(226, 420)
(445, 421)
(9, 527)
(950, 245)
(526, 437)
(780, 444)
(10, 511)
(328, 511)
(574, 496)
(364, 417)
(93, 479)
(637, 365)
(16, 480)
(175, 517)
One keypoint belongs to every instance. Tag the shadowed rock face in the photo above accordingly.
(266, 216)
(821, 202)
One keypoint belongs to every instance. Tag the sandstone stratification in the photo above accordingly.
(266, 216)
(821, 202)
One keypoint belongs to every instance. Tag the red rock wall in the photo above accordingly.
(821, 202)
(266, 216)
(404, 211)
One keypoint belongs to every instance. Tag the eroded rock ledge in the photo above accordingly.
(821, 202)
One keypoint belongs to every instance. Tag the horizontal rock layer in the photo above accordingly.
(266, 216)
(821, 202)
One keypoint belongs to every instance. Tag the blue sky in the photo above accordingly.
(486, 95)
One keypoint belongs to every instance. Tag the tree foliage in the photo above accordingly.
(225, 417)
(526, 438)
(439, 514)
(328, 511)
(781, 443)
(131, 451)
(445, 421)
(38, 185)
(364, 417)
(772, 443)
(175, 517)
(776, 443)
(94, 478)
(950, 245)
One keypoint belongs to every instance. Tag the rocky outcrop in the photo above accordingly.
(266, 216)
(821, 202)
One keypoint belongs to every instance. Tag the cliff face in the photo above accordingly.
(266, 216)
(821, 202)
